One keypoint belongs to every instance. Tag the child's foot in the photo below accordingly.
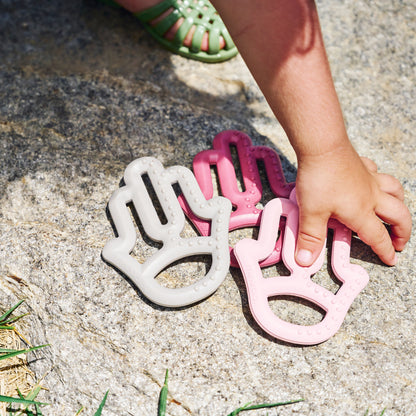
(191, 28)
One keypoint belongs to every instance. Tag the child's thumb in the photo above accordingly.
(311, 238)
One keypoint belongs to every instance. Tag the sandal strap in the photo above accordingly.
(214, 38)
(201, 14)
(183, 30)
(155, 11)
(197, 38)
(163, 26)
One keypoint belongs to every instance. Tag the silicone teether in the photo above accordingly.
(117, 251)
(251, 252)
(245, 213)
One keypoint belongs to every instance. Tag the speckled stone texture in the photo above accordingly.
(84, 91)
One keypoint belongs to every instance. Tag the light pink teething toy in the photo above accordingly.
(216, 210)
(250, 253)
(245, 213)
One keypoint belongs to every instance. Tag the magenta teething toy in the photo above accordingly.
(245, 213)
(250, 254)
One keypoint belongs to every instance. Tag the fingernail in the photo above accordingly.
(395, 259)
(304, 257)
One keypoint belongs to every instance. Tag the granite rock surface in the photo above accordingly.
(84, 90)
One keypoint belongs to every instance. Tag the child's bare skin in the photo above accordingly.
(281, 42)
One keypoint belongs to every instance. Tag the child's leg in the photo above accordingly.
(281, 42)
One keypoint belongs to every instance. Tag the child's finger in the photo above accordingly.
(394, 212)
(390, 185)
(311, 238)
(369, 164)
(373, 233)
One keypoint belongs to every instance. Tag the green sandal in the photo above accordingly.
(198, 13)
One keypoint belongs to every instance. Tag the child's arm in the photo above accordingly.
(281, 43)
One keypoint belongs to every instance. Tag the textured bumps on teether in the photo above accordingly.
(245, 212)
(215, 210)
(250, 253)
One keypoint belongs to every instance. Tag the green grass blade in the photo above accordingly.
(38, 411)
(240, 409)
(4, 355)
(100, 408)
(31, 396)
(382, 413)
(163, 396)
(262, 406)
(79, 411)
(10, 311)
(11, 400)
(20, 394)
(34, 392)
(7, 327)
(14, 319)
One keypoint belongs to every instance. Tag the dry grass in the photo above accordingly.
(14, 373)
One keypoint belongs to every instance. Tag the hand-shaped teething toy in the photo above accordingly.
(245, 214)
(117, 251)
(251, 252)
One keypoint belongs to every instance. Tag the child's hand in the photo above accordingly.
(344, 186)
(289, 63)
